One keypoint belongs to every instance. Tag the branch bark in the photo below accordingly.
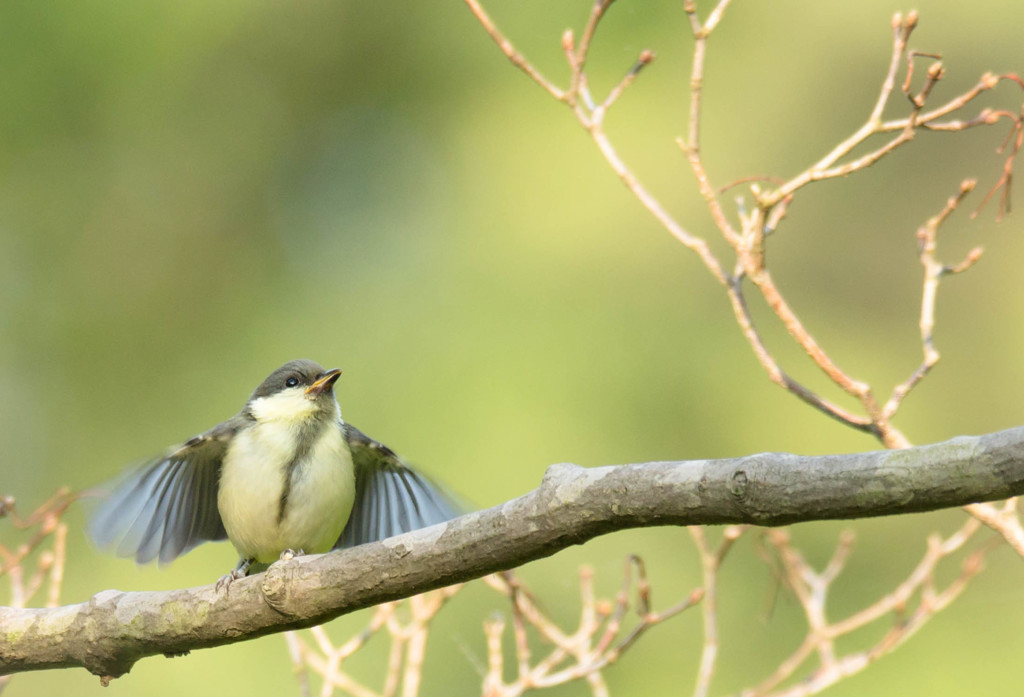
(114, 629)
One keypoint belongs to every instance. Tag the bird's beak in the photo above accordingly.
(324, 383)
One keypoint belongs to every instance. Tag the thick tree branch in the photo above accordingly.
(112, 630)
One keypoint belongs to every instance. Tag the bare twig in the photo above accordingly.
(1012, 146)
(597, 642)
(748, 243)
(1004, 520)
(49, 564)
(406, 655)
(692, 148)
(711, 562)
(811, 589)
(509, 50)
(934, 271)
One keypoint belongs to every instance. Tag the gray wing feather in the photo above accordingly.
(391, 498)
(168, 505)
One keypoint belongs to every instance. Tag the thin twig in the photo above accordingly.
(692, 145)
(48, 570)
(934, 271)
(597, 642)
(812, 588)
(711, 562)
(510, 51)
(406, 653)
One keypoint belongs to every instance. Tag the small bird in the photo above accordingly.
(286, 475)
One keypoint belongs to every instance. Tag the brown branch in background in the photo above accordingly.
(645, 59)
(827, 168)
(749, 248)
(1005, 521)
(54, 507)
(750, 252)
(812, 588)
(859, 389)
(748, 244)
(598, 641)
(901, 29)
(711, 563)
(591, 118)
(45, 523)
(775, 372)
(510, 51)
(935, 72)
(577, 56)
(934, 271)
(406, 654)
(1013, 143)
(692, 148)
(601, 637)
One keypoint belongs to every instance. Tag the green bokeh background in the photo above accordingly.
(193, 193)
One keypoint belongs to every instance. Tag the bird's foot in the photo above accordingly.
(236, 573)
(227, 579)
(289, 554)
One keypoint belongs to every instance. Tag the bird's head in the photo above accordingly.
(296, 391)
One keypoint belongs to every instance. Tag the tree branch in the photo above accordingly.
(114, 629)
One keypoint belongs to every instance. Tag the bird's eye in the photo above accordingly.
(291, 382)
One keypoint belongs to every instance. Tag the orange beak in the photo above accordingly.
(324, 383)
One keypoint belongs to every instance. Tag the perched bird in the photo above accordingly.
(284, 475)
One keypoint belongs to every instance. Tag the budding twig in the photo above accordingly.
(49, 564)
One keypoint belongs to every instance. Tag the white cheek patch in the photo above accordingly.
(290, 405)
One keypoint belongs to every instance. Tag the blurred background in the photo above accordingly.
(194, 193)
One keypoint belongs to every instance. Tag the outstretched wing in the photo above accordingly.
(168, 505)
(391, 498)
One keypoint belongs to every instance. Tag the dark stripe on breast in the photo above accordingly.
(309, 434)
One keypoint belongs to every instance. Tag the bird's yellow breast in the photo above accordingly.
(261, 462)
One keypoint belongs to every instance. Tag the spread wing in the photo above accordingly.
(391, 498)
(168, 505)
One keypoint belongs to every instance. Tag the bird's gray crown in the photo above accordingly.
(305, 371)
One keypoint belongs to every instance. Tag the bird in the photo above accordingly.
(285, 476)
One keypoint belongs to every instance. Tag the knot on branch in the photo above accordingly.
(738, 484)
(277, 588)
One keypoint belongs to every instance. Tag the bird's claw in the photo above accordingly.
(226, 580)
(289, 554)
(240, 571)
